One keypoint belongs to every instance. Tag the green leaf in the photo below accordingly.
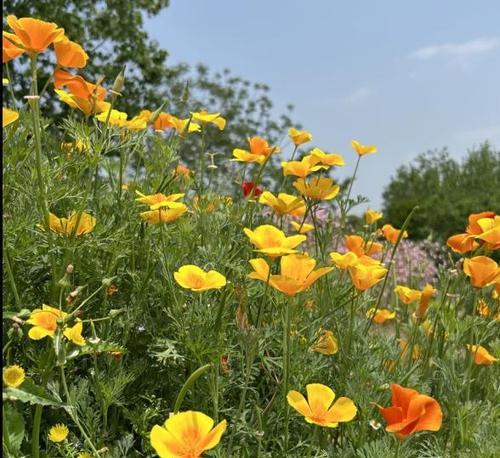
(91, 349)
(13, 429)
(34, 394)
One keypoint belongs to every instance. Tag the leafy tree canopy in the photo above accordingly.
(113, 34)
(445, 190)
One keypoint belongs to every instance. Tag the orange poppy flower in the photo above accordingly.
(425, 297)
(70, 54)
(463, 243)
(365, 276)
(380, 316)
(33, 34)
(359, 247)
(483, 271)
(78, 86)
(411, 412)
(482, 357)
(391, 234)
(9, 50)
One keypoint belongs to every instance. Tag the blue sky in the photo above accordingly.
(405, 76)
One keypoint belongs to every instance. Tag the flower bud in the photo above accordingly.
(154, 116)
(119, 83)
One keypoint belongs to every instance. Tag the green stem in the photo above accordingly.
(11, 278)
(73, 412)
(286, 368)
(389, 267)
(351, 322)
(344, 206)
(285, 177)
(35, 434)
(11, 90)
(202, 160)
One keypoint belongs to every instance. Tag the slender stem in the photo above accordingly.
(202, 160)
(286, 367)
(351, 321)
(393, 253)
(345, 204)
(285, 177)
(35, 434)
(10, 276)
(73, 412)
(11, 90)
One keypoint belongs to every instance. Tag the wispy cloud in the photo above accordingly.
(359, 94)
(457, 50)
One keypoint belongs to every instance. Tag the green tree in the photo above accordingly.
(113, 34)
(445, 190)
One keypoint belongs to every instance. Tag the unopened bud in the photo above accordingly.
(185, 94)
(64, 282)
(119, 83)
(107, 282)
(114, 312)
(70, 269)
(154, 116)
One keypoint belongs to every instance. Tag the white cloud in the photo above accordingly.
(359, 94)
(457, 50)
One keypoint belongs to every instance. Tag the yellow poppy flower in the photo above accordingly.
(301, 168)
(381, 315)
(371, 216)
(204, 117)
(318, 408)
(297, 273)
(271, 241)
(183, 126)
(58, 433)
(75, 224)
(345, 260)
(44, 322)
(164, 215)
(319, 156)
(298, 137)
(365, 276)
(115, 118)
(326, 344)
(407, 295)
(302, 229)
(74, 334)
(196, 279)
(283, 204)
(87, 106)
(9, 116)
(490, 234)
(317, 188)
(482, 357)
(186, 435)
(137, 123)
(259, 151)
(158, 200)
(13, 375)
(363, 149)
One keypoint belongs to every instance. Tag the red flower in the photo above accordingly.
(248, 187)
